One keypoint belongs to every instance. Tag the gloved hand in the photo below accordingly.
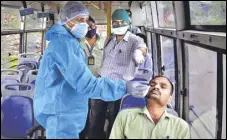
(138, 89)
(138, 56)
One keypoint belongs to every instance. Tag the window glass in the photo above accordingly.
(9, 50)
(149, 21)
(148, 35)
(202, 91)
(224, 99)
(143, 16)
(10, 18)
(167, 50)
(32, 22)
(34, 42)
(154, 55)
(208, 12)
(165, 14)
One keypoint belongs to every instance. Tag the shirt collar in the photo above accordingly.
(146, 112)
(97, 40)
(126, 37)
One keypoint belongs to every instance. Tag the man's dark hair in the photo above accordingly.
(129, 13)
(172, 87)
(91, 19)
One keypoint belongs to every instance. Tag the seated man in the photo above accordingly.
(152, 121)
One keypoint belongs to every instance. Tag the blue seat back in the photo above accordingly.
(17, 116)
(9, 76)
(25, 67)
(10, 81)
(31, 76)
(29, 57)
(129, 101)
(17, 110)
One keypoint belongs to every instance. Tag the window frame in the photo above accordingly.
(219, 90)
(159, 48)
(147, 14)
(210, 28)
(12, 7)
(158, 16)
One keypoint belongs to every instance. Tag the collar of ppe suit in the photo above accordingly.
(57, 29)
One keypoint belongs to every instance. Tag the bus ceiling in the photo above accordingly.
(101, 10)
(100, 5)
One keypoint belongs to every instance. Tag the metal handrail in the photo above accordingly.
(191, 108)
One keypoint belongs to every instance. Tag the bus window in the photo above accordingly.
(208, 12)
(31, 22)
(154, 55)
(10, 18)
(224, 99)
(148, 35)
(149, 21)
(9, 50)
(34, 41)
(167, 50)
(165, 14)
(202, 91)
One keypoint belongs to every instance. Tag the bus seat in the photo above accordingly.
(129, 101)
(9, 74)
(8, 92)
(31, 76)
(17, 111)
(35, 57)
(11, 77)
(17, 116)
(30, 64)
(25, 67)
(171, 110)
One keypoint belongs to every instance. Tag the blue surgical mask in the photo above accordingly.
(79, 30)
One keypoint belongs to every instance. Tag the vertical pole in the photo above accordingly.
(108, 17)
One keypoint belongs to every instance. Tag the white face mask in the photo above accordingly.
(120, 30)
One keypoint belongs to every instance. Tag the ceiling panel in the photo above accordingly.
(12, 3)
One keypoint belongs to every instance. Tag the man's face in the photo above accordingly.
(91, 25)
(160, 91)
(79, 19)
(119, 23)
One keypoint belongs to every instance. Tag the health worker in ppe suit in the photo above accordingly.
(64, 82)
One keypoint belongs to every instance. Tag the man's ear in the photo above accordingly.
(170, 99)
